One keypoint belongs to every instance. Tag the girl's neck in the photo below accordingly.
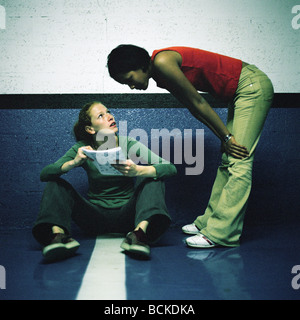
(108, 143)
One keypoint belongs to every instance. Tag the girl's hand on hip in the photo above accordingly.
(231, 147)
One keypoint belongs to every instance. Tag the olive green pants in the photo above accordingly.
(223, 219)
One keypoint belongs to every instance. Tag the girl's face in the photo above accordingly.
(101, 119)
(137, 79)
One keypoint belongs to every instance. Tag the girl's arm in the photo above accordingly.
(152, 165)
(79, 159)
(167, 67)
(73, 157)
(129, 169)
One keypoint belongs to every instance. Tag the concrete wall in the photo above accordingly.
(61, 46)
(31, 139)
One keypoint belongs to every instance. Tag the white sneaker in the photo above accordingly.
(190, 229)
(200, 241)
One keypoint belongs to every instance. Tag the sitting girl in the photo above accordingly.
(115, 204)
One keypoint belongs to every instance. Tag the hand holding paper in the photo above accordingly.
(103, 159)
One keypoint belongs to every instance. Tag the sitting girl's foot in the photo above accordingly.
(136, 243)
(61, 247)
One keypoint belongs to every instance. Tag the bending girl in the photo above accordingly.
(184, 71)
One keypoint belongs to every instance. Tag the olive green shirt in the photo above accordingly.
(111, 191)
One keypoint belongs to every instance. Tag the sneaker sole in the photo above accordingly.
(136, 249)
(200, 246)
(60, 251)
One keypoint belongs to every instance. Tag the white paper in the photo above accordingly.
(104, 158)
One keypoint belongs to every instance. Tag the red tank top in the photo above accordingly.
(207, 71)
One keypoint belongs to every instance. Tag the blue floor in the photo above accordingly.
(257, 270)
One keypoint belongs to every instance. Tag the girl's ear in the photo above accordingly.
(89, 130)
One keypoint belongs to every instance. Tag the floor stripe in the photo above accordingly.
(104, 278)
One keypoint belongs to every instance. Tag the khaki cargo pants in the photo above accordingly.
(223, 219)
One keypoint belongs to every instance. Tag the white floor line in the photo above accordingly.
(104, 278)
